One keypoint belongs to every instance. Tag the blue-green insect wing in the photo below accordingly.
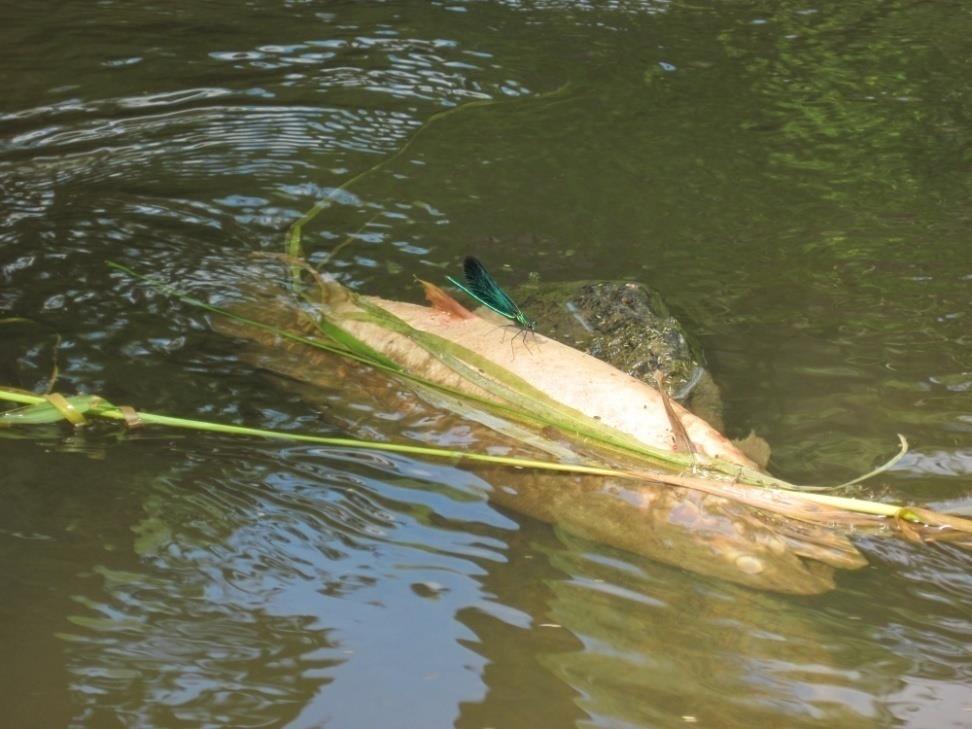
(477, 297)
(485, 288)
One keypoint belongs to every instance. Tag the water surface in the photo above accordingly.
(794, 180)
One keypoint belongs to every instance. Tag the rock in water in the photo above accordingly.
(627, 325)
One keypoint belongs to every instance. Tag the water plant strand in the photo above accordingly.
(96, 406)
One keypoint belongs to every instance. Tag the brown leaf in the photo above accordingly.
(682, 441)
(441, 301)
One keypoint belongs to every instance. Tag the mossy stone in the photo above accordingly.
(627, 325)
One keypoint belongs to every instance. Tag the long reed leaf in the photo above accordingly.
(776, 500)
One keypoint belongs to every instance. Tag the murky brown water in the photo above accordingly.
(795, 181)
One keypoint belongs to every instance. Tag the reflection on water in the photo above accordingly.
(249, 586)
(844, 86)
(794, 180)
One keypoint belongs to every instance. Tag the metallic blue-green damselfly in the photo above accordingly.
(482, 287)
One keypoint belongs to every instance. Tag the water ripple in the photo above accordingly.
(274, 570)
(199, 581)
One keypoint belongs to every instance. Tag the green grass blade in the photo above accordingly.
(41, 412)
(99, 407)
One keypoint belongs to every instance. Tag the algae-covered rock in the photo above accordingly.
(625, 324)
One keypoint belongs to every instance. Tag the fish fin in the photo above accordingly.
(756, 448)
(683, 443)
(441, 301)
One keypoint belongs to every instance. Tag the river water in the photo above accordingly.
(794, 178)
